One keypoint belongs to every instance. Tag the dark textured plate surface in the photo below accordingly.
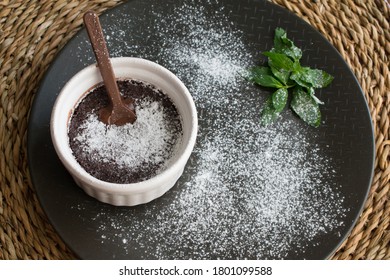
(94, 230)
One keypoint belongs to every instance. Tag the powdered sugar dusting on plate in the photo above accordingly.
(211, 58)
(257, 200)
(247, 191)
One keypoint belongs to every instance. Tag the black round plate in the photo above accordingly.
(286, 191)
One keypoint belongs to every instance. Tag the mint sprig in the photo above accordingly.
(284, 72)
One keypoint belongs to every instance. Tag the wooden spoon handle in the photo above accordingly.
(95, 33)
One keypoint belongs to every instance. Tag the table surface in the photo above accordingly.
(32, 33)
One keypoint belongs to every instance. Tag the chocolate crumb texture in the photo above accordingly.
(130, 153)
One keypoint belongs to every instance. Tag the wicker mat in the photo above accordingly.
(32, 33)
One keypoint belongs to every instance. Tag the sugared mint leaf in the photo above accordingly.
(279, 61)
(285, 72)
(279, 99)
(282, 75)
(306, 107)
(264, 77)
(268, 113)
(297, 77)
(281, 66)
(285, 46)
(315, 78)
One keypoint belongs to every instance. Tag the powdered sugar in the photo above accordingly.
(211, 57)
(130, 145)
(261, 203)
(247, 191)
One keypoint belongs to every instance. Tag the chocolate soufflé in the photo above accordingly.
(133, 152)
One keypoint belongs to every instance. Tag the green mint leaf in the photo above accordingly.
(297, 66)
(259, 70)
(279, 99)
(279, 61)
(268, 113)
(264, 77)
(285, 46)
(282, 75)
(317, 77)
(281, 66)
(306, 107)
(297, 77)
(284, 72)
(308, 77)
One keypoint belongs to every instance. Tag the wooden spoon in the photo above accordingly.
(120, 111)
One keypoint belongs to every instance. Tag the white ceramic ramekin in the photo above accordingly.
(124, 68)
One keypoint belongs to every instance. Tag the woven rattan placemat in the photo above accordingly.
(31, 34)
